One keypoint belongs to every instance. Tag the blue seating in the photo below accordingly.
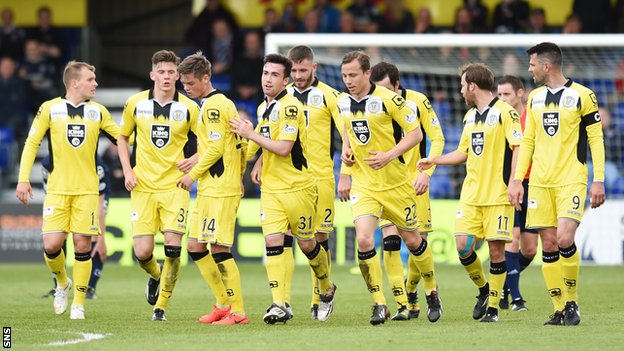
(6, 147)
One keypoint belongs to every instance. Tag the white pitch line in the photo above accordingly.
(86, 337)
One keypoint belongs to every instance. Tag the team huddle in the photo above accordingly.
(167, 141)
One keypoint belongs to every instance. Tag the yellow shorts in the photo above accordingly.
(213, 219)
(396, 205)
(71, 213)
(485, 222)
(293, 210)
(546, 205)
(423, 214)
(165, 211)
(326, 189)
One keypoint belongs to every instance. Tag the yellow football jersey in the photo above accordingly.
(162, 134)
(283, 119)
(559, 125)
(488, 139)
(319, 108)
(219, 165)
(73, 133)
(430, 124)
(376, 123)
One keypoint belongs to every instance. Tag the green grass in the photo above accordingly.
(122, 312)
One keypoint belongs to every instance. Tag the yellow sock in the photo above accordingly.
(316, 299)
(394, 268)
(570, 268)
(151, 267)
(82, 272)
(472, 264)
(413, 274)
(498, 273)
(169, 275)
(551, 269)
(210, 272)
(56, 263)
(317, 259)
(371, 271)
(424, 261)
(276, 272)
(231, 279)
(289, 260)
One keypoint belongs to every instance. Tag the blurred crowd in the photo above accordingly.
(32, 59)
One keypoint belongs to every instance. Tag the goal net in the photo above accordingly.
(429, 64)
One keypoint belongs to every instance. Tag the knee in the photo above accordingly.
(142, 253)
(529, 252)
(194, 246)
(306, 245)
(464, 246)
(365, 243)
(82, 244)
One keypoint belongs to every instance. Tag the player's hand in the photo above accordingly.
(424, 164)
(100, 247)
(23, 192)
(378, 159)
(344, 187)
(597, 194)
(243, 128)
(187, 164)
(130, 180)
(421, 184)
(256, 172)
(185, 182)
(515, 192)
(347, 157)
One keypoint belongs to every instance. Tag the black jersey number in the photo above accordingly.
(410, 213)
(208, 225)
(305, 222)
(576, 201)
(503, 221)
(182, 215)
(328, 213)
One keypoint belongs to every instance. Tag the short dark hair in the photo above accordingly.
(478, 73)
(362, 58)
(197, 64)
(385, 69)
(301, 52)
(515, 82)
(547, 51)
(165, 56)
(280, 60)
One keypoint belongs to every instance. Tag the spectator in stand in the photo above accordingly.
(11, 38)
(14, 100)
(463, 22)
(396, 18)
(479, 13)
(511, 16)
(347, 22)
(329, 16)
(537, 22)
(423, 22)
(311, 22)
(223, 49)
(290, 18)
(51, 38)
(573, 25)
(199, 34)
(272, 22)
(40, 73)
(365, 15)
(245, 83)
(594, 14)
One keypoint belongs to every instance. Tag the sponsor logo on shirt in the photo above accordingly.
(160, 135)
(477, 142)
(361, 130)
(76, 134)
(550, 122)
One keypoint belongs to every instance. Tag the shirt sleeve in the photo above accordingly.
(513, 129)
(464, 140)
(128, 121)
(214, 132)
(291, 117)
(595, 138)
(108, 126)
(431, 125)
(402, 114)
(527, 146)
(38, 129)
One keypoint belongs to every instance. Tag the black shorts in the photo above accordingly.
(520, 216)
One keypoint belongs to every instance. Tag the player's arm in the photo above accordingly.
(108, 127)
(431, 124)
(527, 146)
(216, 133)
(595, 139)
(38, 130)
(190, 148)
(460, 155)
(408, 120)
(128, 125)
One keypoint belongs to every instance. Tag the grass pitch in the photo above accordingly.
(122, 317)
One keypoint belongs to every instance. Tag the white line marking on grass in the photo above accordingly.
(86, 337)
